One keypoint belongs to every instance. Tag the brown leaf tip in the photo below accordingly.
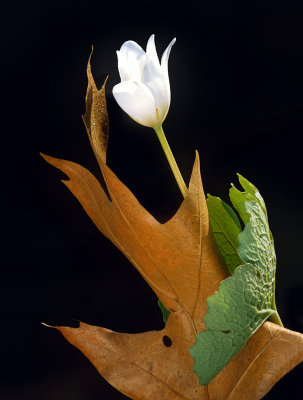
(48, 326)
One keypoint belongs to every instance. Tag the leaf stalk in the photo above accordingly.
(275, 317)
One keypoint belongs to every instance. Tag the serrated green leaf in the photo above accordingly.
(247, 186)
(226, 228)
(246, 299)
(256, 241)
(238, 200)
(235, 312)
(256, 244)
(165, 312)
(251, 189)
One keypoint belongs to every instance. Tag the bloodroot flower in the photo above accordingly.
(144, 91)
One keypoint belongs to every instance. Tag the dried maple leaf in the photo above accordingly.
(180, 262)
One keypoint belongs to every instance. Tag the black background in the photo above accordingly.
(237, 96)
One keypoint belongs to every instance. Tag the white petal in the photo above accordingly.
(131, 61)
(138, 102)
(161, 94)
(122, 66)
(129, 68)
(156, 78)
(165, 56)
(132, 47)
(163, 97)
(152, 67)
(151, 51)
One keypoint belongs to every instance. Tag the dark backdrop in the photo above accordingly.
(237, 97)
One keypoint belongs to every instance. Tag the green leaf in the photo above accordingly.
(239, 198)
(165, 312)
(235, 312)
(256, 244)
(246, 299)
(226, 228)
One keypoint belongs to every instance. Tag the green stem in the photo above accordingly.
(275, 318)
(171, 159)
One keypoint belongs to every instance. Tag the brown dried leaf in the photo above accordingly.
(96, 117)
(179, 261)
(143, 368)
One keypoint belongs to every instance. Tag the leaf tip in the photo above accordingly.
(90, 56)
(47, 325)
(241, 177)
(197, 160)
(51, 160)
(90, 78)
(74, 323)
(197, 157)
(46, 157)
(232, 189)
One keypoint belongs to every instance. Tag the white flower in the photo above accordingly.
(144, 91)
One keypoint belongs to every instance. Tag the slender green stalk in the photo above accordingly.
(171, 159)
(275, 317)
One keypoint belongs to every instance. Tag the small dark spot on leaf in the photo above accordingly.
(225, 331)
(167, 341)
